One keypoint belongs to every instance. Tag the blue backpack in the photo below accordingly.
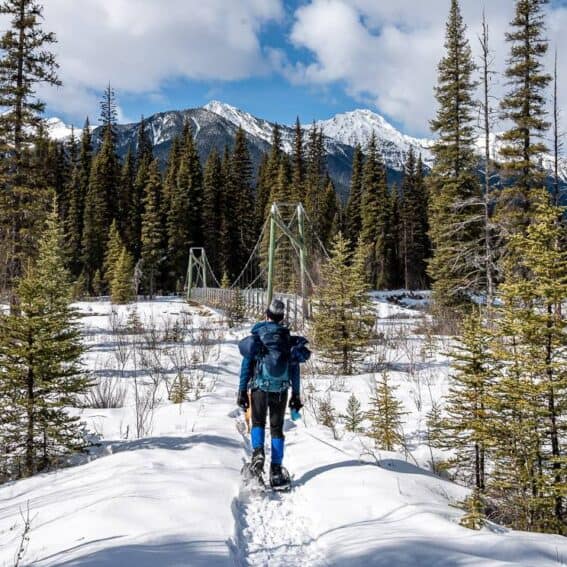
(273, 360)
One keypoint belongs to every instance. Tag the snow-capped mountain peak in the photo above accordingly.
(357, 126)
(250, 124)
(58, 130)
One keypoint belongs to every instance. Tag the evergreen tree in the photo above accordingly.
(413, 225)
(122, 285)
(214, 190)
(342, 322)
(524, 107)
(240, 210)
(184, 222)
(377, 234)
(113, 251)
(531, 391)
(98, 208)
(354, 204)
(298, 164)
(26, 62)
(316, 177)
(455, 205)
(144, 147)
(127, 216)
(385, 415)
(40, 351)
(354, 416)
(109, 113)
(152, 231)
(468, 423)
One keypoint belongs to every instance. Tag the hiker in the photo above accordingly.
(270, 365)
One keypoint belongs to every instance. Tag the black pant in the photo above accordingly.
(276, 403)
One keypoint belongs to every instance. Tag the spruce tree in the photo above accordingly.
(98, 214)
(113, 251)
(40, 352)
(377, 234)
(109, 113)
(385, 415)
(242, 230)
(353, 416)
(468, 421)
(184, 221)
(342, 320)
(214, 190)
(315, 177)
(122, 285)
(413, 225)
(455, 205)
(524, 107)
(152, 229)
(126, 214)
(26, 62)
(354, 204)
(531, 392)
(298, 164)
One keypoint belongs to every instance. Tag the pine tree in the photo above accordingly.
(98, 214)
(455, 205)
(524, 107)
(113, 251)
(40, 350)
(354, 205)
(214, 190)
(354, 416)
(239, 209)
(342, 321)
(315, 177)
(126, 215)
(109, 113)
(122, 285)
(26, 62)
(377, 231)
(152, 231)
(298, 164)
(385, 415)
(531, 391)
(184, 221)
(413, 225)
(468, 422)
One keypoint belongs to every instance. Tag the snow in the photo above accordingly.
(174, 496)
(357, 127)
(58, 130)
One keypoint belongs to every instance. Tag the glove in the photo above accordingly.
(243, 401)
(295, 402)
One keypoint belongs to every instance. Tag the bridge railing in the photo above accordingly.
(297, 310)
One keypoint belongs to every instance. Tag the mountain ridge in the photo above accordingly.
(215, 125)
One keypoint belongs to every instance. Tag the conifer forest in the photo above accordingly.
(432, 289)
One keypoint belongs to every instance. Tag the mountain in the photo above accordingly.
(356, 127)
(215, 125)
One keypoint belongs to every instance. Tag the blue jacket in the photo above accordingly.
(250, 348)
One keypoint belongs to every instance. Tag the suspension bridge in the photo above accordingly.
(283, 263)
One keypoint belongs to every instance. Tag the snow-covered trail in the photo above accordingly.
(175, 499)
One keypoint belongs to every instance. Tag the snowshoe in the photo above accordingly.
(280, 480)
(253, 472)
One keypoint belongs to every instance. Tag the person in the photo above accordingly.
(270, 365)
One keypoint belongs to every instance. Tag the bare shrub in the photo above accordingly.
(106, 392)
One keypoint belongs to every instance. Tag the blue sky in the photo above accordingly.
(274, 58)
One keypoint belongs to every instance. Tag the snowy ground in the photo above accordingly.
(173, 497)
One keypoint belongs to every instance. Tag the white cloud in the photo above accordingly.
(387, 52)
(138, 45)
